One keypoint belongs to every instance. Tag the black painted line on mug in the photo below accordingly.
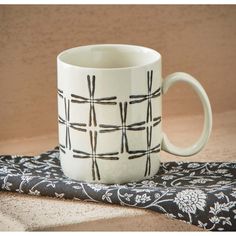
(140, 153)
(144, 97)
(81, 152)
(65, 109)
(94, 115)
(149, 142)
(79, 97)
(158, 120)
(89, 85)
(94, 156)
(107, 158)
(156, 93)
(97, 169)
(66, 138)
(79, 124)
(123, 127)
(141, 98)
(68, 110)
(105, 100)
(61, 120)
(137, 124)
(108, 126)
(60, 93)
(62, 148)
(149, 106)
(135, 128)
(67, 119)
(149, 77)
(78, 128)
(109, 130)
(92, 100)
(123, 116)
(80, 156)
(149, 111)
(77, 101)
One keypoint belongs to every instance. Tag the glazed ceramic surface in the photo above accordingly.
(110, 113)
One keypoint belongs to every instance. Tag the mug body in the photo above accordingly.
(109, 113)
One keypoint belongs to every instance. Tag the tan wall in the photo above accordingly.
(200, 40)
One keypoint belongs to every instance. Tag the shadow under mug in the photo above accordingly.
(110, 113)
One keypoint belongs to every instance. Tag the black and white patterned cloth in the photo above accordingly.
(200, 193)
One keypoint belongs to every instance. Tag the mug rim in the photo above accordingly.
(143, 49)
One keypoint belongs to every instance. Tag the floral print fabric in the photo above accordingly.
(199, 193)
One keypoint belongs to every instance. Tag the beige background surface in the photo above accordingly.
(200, 40)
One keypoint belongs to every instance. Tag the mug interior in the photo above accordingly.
(109, 56)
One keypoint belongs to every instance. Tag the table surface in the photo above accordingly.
(23, 212)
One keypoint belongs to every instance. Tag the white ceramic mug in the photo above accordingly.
(110, 110)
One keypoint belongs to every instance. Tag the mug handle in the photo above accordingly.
(198, 146)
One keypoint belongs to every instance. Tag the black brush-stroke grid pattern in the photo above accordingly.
(124, 127)
(151, 122)
(91, 100)
(60, 93)
(147, 152)
(94, 155)
(66, 122)
(147, 97)
(111, 128)
(62, 148)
